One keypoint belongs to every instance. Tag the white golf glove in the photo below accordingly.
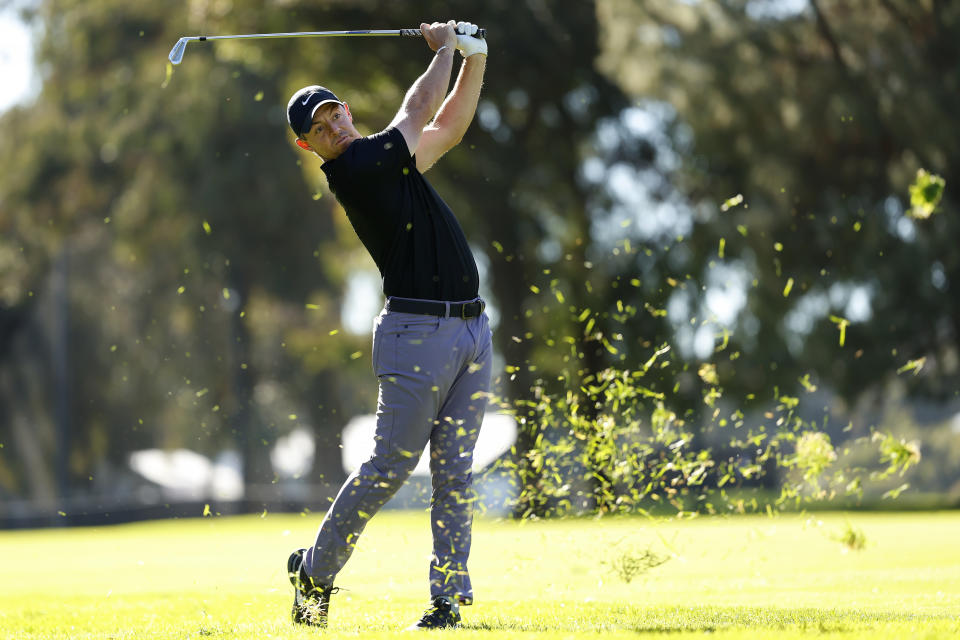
(467, 43)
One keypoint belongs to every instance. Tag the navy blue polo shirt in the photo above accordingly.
(410, 232)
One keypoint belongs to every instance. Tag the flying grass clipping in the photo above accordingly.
(625, 440)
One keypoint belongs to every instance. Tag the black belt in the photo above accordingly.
(437, 308)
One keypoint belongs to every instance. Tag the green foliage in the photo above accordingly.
(615, 444)
(212, 269)
(852, 538)
(925, 194)
(207, 264)
(814, 453)
(896, 453)
(831, 126)
(632, 563)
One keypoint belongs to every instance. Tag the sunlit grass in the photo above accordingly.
(749, 576)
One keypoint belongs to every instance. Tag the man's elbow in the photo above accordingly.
(417, 112)
(453, 134)
(443, 138)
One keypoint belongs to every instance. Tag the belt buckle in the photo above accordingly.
(463, 308)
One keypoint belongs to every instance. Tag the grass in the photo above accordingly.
(751, 576)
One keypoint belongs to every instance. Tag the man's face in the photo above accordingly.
(332, 131)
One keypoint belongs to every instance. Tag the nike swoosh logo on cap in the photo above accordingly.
(306, 100)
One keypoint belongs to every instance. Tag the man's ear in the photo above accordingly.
(346, 108)
(303, 144)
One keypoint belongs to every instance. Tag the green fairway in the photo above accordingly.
(750, 576)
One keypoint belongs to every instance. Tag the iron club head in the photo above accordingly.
(176, 54)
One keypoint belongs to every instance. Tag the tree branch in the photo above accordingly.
(827, 34)
(897, 14)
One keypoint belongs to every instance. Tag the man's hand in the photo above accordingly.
(439, 34)
(451, 122)
(425, 96)
(467, 43)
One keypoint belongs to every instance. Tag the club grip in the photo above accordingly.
(415, 33)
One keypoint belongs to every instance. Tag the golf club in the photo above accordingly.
(176, 54)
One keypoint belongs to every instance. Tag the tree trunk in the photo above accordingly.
(252, 439)
(328, 422)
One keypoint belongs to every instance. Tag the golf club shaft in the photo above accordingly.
(176, 55)
(312, 34)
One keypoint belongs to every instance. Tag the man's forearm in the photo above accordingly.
(425, 95)
(457, 111)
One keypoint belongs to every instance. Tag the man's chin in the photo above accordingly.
(339, 147)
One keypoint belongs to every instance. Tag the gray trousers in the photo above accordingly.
(433, 374)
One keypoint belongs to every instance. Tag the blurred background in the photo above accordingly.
(185, 311)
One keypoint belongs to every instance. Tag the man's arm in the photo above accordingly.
(426, 94)
(456, 114)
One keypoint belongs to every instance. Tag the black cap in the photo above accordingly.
(304, 104)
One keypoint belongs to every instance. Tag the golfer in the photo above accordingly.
(431, 342)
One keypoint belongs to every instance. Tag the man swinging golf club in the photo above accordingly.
(431, 343)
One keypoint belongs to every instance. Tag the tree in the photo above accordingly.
(178, 229)
(820, 119)
(515, 181)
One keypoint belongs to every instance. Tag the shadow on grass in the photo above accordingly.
(597, 618)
